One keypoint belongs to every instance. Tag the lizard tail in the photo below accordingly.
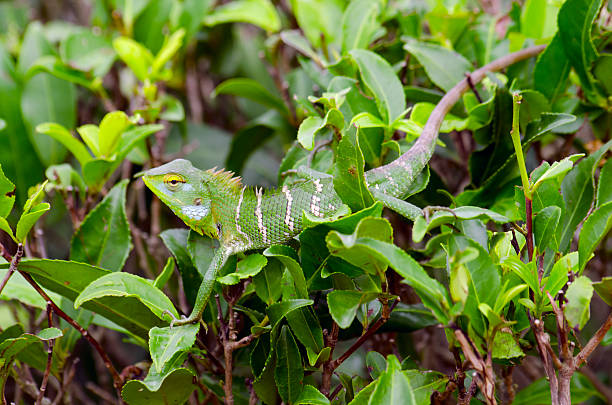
(407, 167)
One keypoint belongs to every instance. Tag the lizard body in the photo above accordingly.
(215, 203)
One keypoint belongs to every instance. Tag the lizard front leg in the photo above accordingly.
(206, 287)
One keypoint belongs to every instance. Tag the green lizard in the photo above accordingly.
(215, 203)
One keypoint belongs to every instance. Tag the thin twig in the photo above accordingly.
(371, 330)
(13, 266)
(50, 344)
(117, 382)
(594, 341)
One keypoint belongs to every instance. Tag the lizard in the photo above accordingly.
(215, 203)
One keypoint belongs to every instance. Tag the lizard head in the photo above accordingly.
(181, 187)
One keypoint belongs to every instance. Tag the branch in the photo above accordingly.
(13, 266)
(117, 381)
(43, 384)
(371, 330)
(593, 342)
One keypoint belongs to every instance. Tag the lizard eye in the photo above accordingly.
(174, 181)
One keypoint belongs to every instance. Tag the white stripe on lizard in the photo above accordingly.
(288, 219)
(237, 217)
(260, 224)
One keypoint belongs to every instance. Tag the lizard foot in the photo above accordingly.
(185, 321)
(170, 314)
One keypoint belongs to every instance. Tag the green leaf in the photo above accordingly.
(141, 293)
(593, 231)
(420, 114)
(27, 347)
(173, 388)
(288, 258)
(276, 312)
(268, 282)
(28, 219)
(307, 131)
(137, 57)
(349, 181)
(306, 327)
(319, 19)
(253, 90)
(603, 65)
(431, 292)
(393, 386)
(246, 268)
(62, 277)
(376, 363)
(359, 24)
(575, 20)
(558, 275)
(48, 99)
(171, 46)
(112, 126)
(604, 185)
(421, 226)
(381, 80)
(131, 137)
(578, 295)
(289, 372)
(343, 305)
(4, 225)
(69, 279)
(88, 51)
(96, 172)
(173, 109)
(545, 228)
(505, 346)
(54, 66)
(7, 195)
(296, 40)
(90, 134)
(557, 170)
(166, 343)
(444, 67)
(176, 240)
(367, 120)
(62, 135)
(603, 288)
(345, 246)
(538, 392)
(311, 396)
(19, 159)
(524, 271)
(459, 283)
(578, 193)
(538, 19)
(257, 12)
(485, 282)
(552, 69)
(103, 238)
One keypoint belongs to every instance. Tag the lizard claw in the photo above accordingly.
(184, 321)
(170, 314)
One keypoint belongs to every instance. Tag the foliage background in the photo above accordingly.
(232, 84)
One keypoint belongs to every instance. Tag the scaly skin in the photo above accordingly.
(216, 204)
